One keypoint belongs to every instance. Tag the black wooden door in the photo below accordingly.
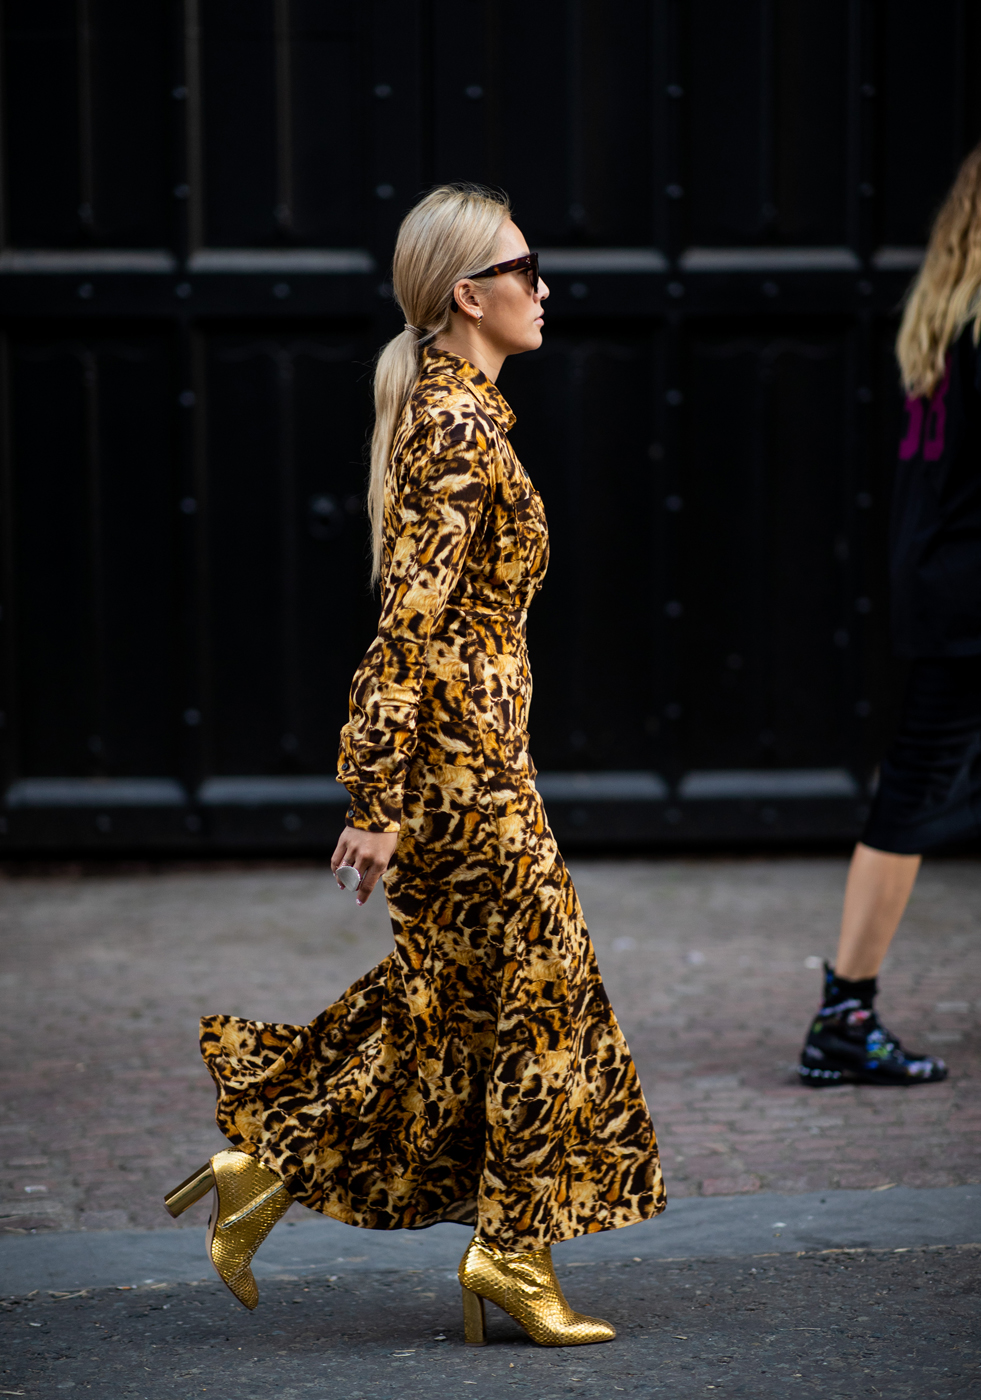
(199, 203)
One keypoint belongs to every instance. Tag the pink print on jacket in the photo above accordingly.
(936, 422)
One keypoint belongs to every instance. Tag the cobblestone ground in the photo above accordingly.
(104, 1103)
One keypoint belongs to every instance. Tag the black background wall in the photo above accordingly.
(199, 205)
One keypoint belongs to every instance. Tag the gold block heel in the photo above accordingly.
(474, 1321)
(249, 1199)
(189, 1191)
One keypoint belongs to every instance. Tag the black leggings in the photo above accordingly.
(929, 792)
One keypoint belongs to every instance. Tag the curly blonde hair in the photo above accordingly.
(946, 294)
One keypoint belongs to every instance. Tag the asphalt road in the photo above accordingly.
(904, 1326)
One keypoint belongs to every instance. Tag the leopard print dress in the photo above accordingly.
(478, 1073)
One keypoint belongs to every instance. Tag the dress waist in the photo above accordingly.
(469, 609)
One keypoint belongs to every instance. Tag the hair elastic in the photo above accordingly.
(422, 336)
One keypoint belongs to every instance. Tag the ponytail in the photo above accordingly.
(450, 234)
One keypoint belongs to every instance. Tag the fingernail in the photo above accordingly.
(360, 902)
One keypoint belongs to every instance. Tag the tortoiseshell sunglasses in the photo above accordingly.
(528, 262)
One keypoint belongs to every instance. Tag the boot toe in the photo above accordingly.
(594, 1329)
(575, 1331)
(245, 1288)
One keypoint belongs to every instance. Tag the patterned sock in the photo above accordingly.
(839, 989)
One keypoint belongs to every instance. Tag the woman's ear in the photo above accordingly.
(465, 299)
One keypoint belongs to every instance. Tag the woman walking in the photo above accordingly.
(478, 1073)
(929, 793)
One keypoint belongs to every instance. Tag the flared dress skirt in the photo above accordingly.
(478, 1073)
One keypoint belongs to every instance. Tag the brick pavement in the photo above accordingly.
(104, 1103)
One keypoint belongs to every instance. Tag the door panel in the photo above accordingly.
(93, 540)
(199, 206)
(290, 613)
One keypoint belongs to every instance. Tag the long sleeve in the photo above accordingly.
(444, 499)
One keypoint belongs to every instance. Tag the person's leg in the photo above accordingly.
(878, 889)
(847, 1041)
(928, 797)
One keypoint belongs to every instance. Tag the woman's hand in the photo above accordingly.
(369, 852)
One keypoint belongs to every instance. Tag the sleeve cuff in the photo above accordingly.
(370, 812)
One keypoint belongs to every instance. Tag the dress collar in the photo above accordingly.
(445, 365)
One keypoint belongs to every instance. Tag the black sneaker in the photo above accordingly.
(848, 1044)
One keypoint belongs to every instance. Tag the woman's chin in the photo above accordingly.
(531, 342)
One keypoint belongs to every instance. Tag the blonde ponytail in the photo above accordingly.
(946, 294)
(452, 233)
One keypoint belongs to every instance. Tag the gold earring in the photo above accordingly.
(480, 320)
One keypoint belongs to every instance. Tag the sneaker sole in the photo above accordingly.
(819, 1078)
(824, 1078)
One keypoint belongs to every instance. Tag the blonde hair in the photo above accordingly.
(945, 295)
(451, 233)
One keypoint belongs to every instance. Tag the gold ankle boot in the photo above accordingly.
(525, 1286)
(249, 1199)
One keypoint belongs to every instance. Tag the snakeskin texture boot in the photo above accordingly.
(249, 1199)
(525, 1286)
